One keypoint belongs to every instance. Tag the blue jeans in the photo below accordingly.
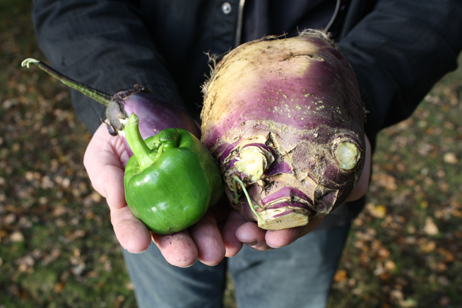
(298, 275)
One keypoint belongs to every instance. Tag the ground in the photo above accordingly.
(57, 247)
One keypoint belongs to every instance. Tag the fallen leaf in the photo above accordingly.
(450, 158)
(340, 275)
(59, 287)
(390, 265)
(444, 301)
(9, 219)
(443, 281)
(424, 204)
(55, 253)
(59, 210)
(427, 246)
(25, 263)
(385, 180)
(78, 269)
(119, 301)
(378, 211)
(430, 227)
(379, 270)
(449, 257)
(16, 237)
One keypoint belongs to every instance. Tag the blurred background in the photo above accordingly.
(57, 247)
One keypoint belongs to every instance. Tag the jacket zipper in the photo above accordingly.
(240, 21)
(334, 16)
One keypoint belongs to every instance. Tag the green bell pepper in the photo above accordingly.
(171, 180)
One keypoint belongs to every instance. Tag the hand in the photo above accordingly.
(249, 233)
(105, 160)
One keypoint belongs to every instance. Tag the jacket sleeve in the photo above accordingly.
(399, 51)
(103, 44)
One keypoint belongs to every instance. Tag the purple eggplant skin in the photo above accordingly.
(156, 114)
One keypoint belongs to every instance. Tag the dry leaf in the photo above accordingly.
(430, 227)
(55, 253)
(9, 219)
(385, 180)
(427, 246)
(450, 158)
(378, 211)
(390, 265)
(25, 263)
(59, 210)
(443, 281)
(340, 275)
(16, 237)
(59, 287)
(449, 257)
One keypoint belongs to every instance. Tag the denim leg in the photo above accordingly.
(158, 284)
(299, 275)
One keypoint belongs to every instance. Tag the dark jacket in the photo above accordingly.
(398, 48)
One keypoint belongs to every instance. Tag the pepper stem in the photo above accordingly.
(237, 179)
(139, 148)
(98, 96)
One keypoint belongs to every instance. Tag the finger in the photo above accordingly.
(131, 233)
(250, 234)
(207, 237)
(280, 238)
(104, 168)
(178, 249)
(363, 183)
(232, 244)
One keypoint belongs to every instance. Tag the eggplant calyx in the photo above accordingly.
(115, 110)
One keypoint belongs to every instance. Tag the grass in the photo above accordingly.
(57, 247)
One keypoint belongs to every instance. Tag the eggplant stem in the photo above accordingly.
(237, 179)
(98, 96)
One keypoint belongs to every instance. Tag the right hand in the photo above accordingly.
(105, 160)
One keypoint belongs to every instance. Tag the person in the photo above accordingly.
(398, 49)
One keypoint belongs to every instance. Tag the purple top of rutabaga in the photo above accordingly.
(324, 95)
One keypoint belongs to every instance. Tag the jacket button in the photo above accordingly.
(226, 8)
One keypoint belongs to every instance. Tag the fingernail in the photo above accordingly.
(251, 244)
(187, 266)
(136, 253)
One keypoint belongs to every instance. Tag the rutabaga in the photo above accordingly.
(284, 118)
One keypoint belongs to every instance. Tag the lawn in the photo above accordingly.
(57, 247)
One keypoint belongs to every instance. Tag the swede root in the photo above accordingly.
(285, 116)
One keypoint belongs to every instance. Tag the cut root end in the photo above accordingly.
(273, 220)
(253, 162)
